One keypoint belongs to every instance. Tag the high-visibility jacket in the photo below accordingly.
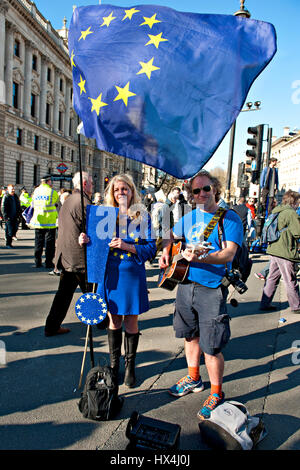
(45, 212)
(25, 199)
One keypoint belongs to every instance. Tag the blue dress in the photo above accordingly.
(125, 285)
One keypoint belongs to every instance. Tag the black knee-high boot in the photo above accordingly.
(114, 345)
(131, 341)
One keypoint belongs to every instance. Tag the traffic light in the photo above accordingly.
(242, 178)
(106, 181)
(241, 170)
(255, 153)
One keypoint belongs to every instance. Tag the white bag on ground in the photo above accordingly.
(231, 427)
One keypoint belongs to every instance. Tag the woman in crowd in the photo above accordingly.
(125, 285)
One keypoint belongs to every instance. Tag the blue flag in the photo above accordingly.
(160, 86)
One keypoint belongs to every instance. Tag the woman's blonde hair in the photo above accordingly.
(109, 199)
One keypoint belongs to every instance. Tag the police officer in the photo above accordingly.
(44, 221)
(25, 201)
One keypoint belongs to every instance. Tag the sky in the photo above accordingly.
(278, 86)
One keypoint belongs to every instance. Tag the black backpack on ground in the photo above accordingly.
(99, 399)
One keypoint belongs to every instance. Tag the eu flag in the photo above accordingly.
(160, 86)
(91, 308)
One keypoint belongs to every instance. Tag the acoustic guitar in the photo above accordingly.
(176, 272)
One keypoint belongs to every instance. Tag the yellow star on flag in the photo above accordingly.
(148, 68)
(85, 33)
(81, 85)
(72, 59)
(108, 19)
(150, 21)
(130, 13)
(156, 40)
(97, 104)
(124, 93)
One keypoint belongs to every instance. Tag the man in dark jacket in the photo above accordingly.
(244, 212)
(69, 255)
(284, 254)
(11, 211)
(269, 184)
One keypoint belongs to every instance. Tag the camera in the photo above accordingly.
(233, 278)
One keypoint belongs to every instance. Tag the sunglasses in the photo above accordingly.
(205, 188)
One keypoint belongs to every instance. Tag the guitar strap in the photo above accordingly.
(209, 228)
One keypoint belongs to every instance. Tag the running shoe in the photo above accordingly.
(259, 276)
(210, 404)
(186, 385)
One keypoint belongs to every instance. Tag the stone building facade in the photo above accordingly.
(287, 150)
(37, 122)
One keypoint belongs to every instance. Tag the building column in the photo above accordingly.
(43, 96)
(9, 51)
(68, 104)
(56, 99)
(28, 79)
(3, 10)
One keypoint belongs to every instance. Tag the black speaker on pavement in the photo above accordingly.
(151, 434)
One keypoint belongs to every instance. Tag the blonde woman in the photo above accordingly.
(125, 283)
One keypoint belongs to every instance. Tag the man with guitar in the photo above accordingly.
(200, 315)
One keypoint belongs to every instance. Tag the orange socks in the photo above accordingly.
(216, 389)
(194, 373)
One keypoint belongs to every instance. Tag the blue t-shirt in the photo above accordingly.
(192, 225)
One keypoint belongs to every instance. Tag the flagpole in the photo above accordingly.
(90, 333)
(246, 14)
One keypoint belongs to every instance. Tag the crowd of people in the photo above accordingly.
(200, 317)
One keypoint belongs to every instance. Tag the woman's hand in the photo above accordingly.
(83, 239)
(118, 243)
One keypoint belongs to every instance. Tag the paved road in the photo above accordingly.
(38, 405)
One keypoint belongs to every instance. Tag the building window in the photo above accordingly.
(50, 149)
(36, 175)
(34, 62)
(62, 152)
(32, 104)
(15, 100)
(61, 84)
(36, 142)
(49, 74)
(19, 136)
(19, 176)
(72, 155)
(60, 121)
(70, 126)
(17, 48)
(48, 113)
